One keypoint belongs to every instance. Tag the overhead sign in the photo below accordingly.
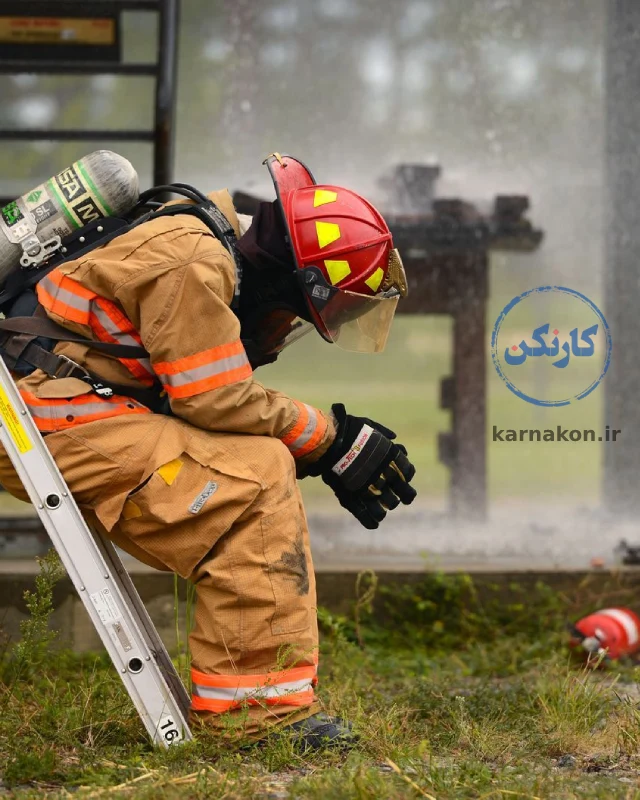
(37, 31)
(64, 31)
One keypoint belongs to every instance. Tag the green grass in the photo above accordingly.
(463, 692)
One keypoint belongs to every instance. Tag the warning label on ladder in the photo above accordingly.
(105, 606)
(13, 424)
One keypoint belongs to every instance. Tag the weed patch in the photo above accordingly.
(460, 693)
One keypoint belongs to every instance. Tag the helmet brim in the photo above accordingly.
(287, 174)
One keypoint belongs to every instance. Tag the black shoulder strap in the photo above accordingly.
(24, 347)
(43, 326)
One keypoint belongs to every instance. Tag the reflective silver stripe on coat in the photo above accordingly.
(54, 412)
(123, 338)
(91, 307)
(206, 371)
(307, 433)
(241, 693)
(67, 297)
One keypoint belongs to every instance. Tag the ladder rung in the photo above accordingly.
(76, 136)
(21, 66)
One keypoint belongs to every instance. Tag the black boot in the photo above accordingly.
(321, 730)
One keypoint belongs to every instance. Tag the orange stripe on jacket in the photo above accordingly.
(208, 384)
(68, 299)
(204, 371)
(301, 423)
(314, 441)
(122, 332)
(199, 359)
(308, 431)
(60, 308)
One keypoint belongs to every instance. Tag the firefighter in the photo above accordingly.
(209, 491)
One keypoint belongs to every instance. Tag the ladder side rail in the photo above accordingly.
(148, 629)
(115, 621)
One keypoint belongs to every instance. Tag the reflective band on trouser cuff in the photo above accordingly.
(308, 431)
(57, 415)
(219, 693)
(627, 622)
(204, 371)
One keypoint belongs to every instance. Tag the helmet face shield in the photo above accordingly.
(359, 323)
(356, 322)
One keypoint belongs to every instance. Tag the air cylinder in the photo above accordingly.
(101, 184)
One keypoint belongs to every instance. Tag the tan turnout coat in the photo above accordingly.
(210, 492)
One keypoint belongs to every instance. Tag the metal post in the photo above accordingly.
(622, 266)
(166, 91)
(469, 467)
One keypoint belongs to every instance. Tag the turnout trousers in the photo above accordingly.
(223, 511)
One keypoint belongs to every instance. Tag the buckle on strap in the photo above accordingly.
(66, 368)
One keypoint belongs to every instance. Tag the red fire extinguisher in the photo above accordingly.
(611, 632)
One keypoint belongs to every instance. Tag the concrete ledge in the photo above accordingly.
(336, 591)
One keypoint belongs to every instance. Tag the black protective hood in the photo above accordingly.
(265, 245)
(270, 292)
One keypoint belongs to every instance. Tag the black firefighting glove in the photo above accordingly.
(369, 473)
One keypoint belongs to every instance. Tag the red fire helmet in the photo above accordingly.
(349, 272)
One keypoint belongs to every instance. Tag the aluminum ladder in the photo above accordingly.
(99, 577)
